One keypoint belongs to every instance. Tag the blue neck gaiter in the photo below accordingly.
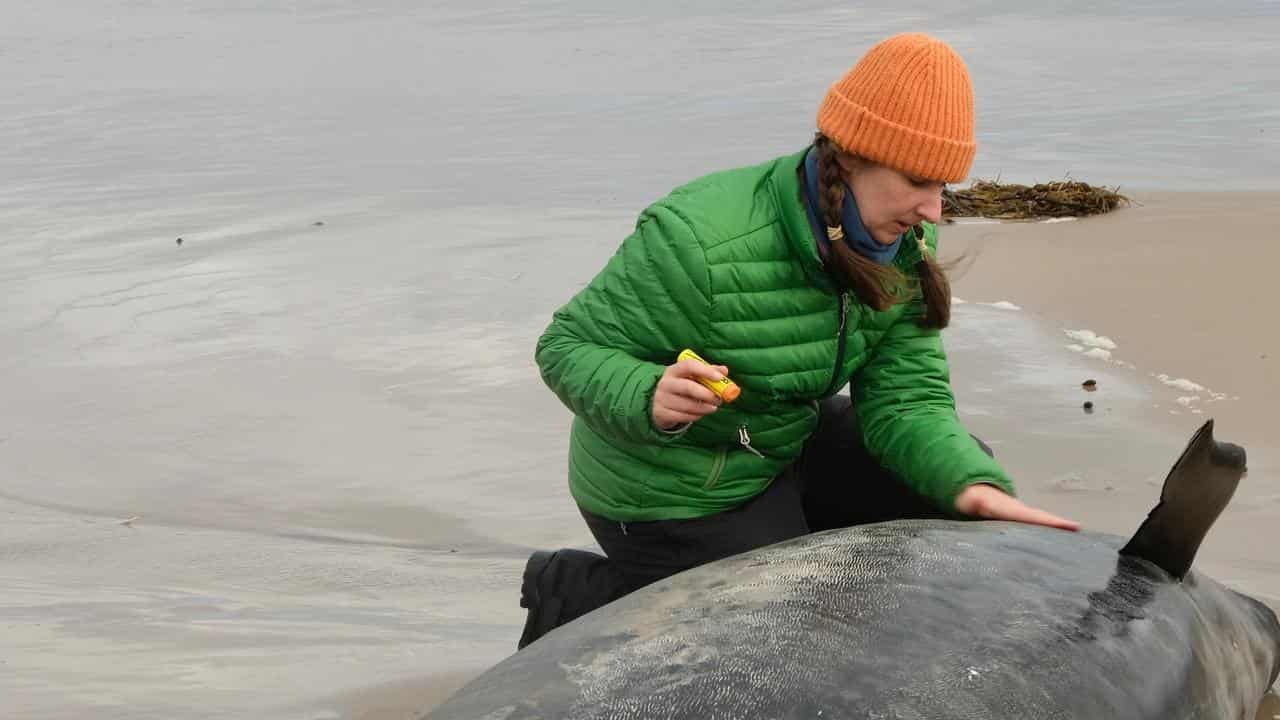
(856, 235)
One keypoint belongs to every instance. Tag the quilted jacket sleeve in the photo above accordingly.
(907, 411)
(605, 349)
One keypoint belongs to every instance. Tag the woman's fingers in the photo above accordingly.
(695, 369)
(679, 397)
(682, 404)
(991, 503)
(695, 392)
(1026, 514)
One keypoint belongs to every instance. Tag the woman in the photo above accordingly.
(795, 277)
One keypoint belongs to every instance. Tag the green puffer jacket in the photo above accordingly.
(728, 266)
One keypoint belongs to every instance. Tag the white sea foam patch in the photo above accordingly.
(1090, 344)
(1182, 384)
(1197, 392)
(1091, 339)
(1048, 221)
(999, 305)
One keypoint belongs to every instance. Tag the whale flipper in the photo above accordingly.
(1195, 492)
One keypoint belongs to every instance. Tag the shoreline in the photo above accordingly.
(1174, 302)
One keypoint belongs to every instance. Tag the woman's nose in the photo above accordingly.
(930, 207)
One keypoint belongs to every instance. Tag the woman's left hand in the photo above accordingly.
(991, 503)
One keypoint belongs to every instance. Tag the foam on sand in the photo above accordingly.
(1182, 384)
(1091, 339)
(1091, 344)
(999, 305)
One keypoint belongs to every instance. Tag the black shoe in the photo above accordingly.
(537, 599)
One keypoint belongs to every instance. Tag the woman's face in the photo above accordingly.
(889, 201)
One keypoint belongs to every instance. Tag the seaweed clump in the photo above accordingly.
(1062, 198)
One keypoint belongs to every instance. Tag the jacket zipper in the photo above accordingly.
(722, 458)
(745, 441)
(840, 342)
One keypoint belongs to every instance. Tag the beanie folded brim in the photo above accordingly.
(856, 129)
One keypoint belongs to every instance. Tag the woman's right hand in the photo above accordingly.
(680, 398)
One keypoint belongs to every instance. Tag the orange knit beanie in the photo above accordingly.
(907, 104)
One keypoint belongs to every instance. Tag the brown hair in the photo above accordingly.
(876, 285)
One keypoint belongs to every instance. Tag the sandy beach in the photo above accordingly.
(1180, 282)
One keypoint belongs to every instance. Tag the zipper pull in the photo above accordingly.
(745, 440)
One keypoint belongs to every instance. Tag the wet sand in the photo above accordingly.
(1174, 304)
(1182, 282)
(405, 700)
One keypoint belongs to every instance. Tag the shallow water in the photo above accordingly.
(321, 406)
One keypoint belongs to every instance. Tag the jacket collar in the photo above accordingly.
(789, 195)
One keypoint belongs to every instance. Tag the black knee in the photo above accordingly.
(537, 595)
(560, 586)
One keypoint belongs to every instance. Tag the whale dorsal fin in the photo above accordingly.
(1197, 489)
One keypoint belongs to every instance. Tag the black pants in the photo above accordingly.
(835, 483)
